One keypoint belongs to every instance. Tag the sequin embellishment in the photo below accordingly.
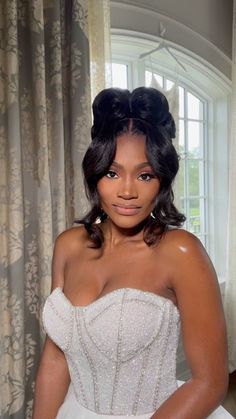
(121, 349)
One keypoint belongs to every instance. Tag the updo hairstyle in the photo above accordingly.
(148, 109)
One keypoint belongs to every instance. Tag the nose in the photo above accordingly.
(127, 189)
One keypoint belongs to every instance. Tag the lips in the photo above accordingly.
(126, 209)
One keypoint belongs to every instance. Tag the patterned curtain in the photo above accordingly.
(100, 45)
(230, 292)
(45, 112)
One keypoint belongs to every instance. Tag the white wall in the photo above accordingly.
(203, 26)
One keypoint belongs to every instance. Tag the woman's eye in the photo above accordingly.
(111, 174)
(146, 176)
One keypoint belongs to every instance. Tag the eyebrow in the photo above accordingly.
(139, 166)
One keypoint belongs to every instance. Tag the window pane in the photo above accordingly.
(181, 102)
(194, 216)
(195, 139)
(203, 214)
(119, 75)
(194, 225)
(183, 208)
(181, 137)
(180, 179)
(195, 107)
(148, 78)
(169, 84)
(196, 220)
(193, 177)
(157, 77)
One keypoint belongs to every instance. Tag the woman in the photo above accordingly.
(124, 281)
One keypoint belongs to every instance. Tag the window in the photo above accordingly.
(204, 100)
(119, 75)
(192, 176)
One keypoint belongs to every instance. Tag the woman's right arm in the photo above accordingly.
(52, 382)
(53, 378)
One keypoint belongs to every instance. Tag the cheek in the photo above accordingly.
(152, 193)
(104, 189)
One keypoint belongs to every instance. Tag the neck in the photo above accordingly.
(115, 235)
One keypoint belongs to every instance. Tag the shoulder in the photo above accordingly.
(69, 243)
(191, 273)
(180, 242)
(70, 239)
(185, 257)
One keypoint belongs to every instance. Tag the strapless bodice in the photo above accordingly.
(120, 349)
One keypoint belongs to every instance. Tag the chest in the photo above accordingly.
(94, 273)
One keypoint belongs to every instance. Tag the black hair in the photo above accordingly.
(113, 109)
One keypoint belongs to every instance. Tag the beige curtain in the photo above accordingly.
(230, 292)
(45, 117)
(100, 45)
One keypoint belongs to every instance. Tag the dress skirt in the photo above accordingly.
(71, 409)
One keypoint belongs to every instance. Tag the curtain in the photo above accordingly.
(45, 119)
(230, 291)
(100, 45)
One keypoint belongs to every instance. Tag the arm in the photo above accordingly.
(203, 330)
(52, 382)
(53, 376)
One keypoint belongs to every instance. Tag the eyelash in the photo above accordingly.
(142, 174)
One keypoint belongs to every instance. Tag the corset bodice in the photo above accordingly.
(120, 349)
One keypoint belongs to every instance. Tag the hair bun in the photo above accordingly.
(109, 105)
(145, 103)
(151, 105)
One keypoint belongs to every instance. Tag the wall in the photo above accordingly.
(205, 27)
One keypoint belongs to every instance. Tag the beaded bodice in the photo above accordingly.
(120, 349)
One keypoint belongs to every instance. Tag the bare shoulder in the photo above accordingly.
(179, 236)
(67, 244)
(186, 258)
(191, 271)
(181, 243)
(73, 238)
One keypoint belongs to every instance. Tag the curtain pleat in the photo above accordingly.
(45, 119)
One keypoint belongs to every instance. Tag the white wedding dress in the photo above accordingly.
(121, 353)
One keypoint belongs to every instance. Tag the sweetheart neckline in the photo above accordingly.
(167, 300)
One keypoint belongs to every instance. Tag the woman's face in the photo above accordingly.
(129, 189)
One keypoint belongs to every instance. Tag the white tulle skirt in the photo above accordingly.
(71, 409)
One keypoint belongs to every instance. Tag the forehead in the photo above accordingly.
(131, 148)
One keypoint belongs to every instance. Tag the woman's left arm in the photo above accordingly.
(203, 328)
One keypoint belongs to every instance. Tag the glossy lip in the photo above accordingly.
(126, 209)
